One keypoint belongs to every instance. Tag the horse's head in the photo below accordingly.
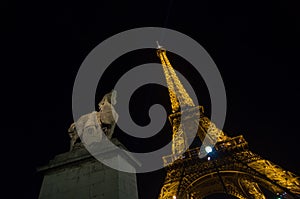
(109, 98)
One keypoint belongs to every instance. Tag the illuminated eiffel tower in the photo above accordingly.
(227, 167)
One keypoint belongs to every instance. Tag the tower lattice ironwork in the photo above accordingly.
(231, 168)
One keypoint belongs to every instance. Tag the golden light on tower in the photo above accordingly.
(229, 166)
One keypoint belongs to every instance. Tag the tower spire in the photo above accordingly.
(182, 102)
(175, 86)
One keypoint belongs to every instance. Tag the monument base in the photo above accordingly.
(77, 174)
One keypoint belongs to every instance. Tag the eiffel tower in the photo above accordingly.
(227, 167)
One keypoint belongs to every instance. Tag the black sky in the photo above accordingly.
(254, 44)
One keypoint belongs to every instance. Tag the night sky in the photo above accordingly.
(255, 46)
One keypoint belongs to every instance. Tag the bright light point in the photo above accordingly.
(174, 197)
(208, 158)
(208, 149)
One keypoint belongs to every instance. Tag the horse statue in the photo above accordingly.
(89, 128)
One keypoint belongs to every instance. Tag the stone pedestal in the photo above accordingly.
(77, 174)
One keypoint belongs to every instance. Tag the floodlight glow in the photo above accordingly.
(208, 149)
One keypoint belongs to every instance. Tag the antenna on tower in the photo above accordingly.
(158, 46)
